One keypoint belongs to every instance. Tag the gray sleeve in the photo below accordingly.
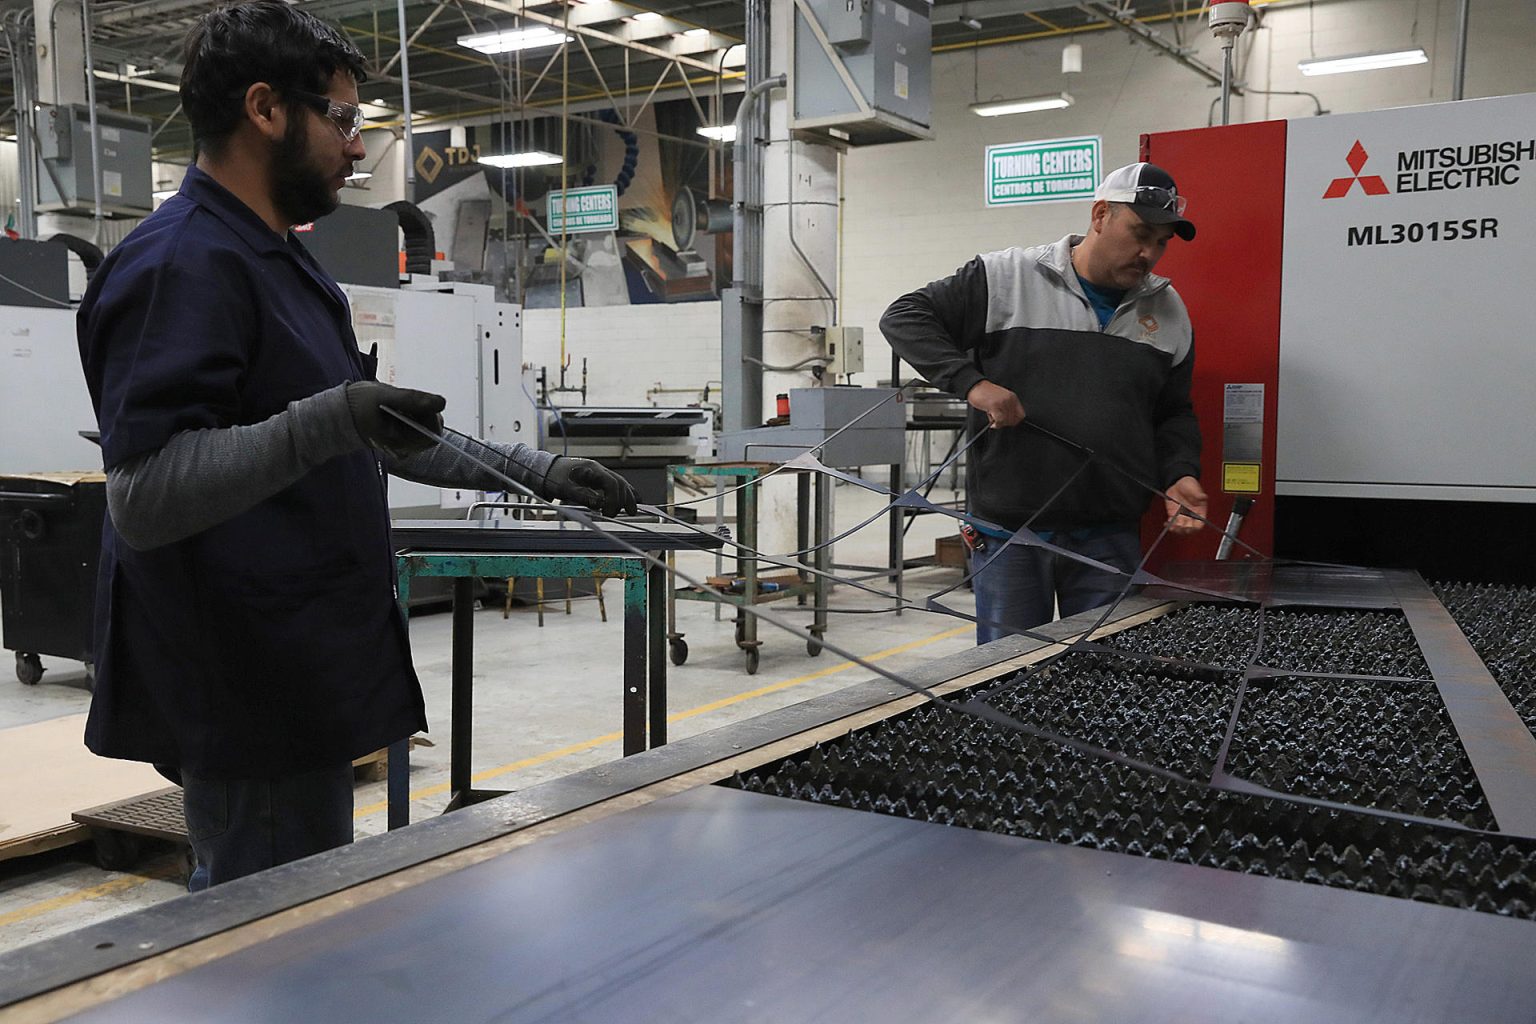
(201, 478)
(446, 465)
(939, 327)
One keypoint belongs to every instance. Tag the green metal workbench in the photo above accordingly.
(644, 663)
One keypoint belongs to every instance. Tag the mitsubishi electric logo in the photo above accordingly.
(1370, 183)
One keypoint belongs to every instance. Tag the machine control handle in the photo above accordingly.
(1240, 509)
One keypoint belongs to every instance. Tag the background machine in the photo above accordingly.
(1355, 374)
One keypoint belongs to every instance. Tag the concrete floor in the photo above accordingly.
(547, 703)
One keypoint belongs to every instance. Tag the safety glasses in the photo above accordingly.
(347, 117)
(1150, 195)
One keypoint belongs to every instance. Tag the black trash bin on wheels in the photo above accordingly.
(50, 543)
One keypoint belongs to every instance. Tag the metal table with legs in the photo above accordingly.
(813, 526)
(489, 549)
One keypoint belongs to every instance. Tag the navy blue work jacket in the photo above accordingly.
(271, 643)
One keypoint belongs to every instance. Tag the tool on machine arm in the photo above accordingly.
(1240, 509)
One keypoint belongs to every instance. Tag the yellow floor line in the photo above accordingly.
(117, 885)
(614, 737)
(126, 882)
(821, 674)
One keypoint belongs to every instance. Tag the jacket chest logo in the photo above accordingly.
(1149, 326)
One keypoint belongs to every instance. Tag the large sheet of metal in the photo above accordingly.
(126, 945)
(717, 905)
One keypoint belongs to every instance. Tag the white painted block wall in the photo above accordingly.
(629, 349)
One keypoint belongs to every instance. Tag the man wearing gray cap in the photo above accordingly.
(1083, 340)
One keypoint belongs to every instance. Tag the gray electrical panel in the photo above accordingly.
(862, 70)
(851, 427)
(66, 178)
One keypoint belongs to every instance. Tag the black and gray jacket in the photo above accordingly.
(1019, 318)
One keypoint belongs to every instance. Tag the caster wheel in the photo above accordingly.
(752, 660)
(679, 651)
(813, 646)
(29, 668)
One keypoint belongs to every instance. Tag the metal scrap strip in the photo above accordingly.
(1497, 741)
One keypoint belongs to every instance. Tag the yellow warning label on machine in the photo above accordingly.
(1240, 477)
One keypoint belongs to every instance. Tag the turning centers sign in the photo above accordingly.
(575, 210)
(1047, 171)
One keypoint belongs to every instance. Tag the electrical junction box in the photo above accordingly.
(849, 21)
(850, 427)
(67, 183)
(845, 347)
(862, 74)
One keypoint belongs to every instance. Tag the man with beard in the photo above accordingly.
(248, 642)
(1085, 340)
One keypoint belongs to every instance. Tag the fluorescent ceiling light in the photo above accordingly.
(718, 132)
(359, 175)
(164, 193)
(1362, 62)
(735, 57)
(533, 158)
(694, 33)
(996, 108)
(646, 16)
(148, 83)
(514, 39)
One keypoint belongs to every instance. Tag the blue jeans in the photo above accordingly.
(241, 826)
(1020, 586)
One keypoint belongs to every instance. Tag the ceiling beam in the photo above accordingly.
(522, 10)
(1141, 31)
(981, 10)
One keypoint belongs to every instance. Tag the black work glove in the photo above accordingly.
(584, 482)
(367, 399)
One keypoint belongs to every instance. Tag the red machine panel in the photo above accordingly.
(1229, 276)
